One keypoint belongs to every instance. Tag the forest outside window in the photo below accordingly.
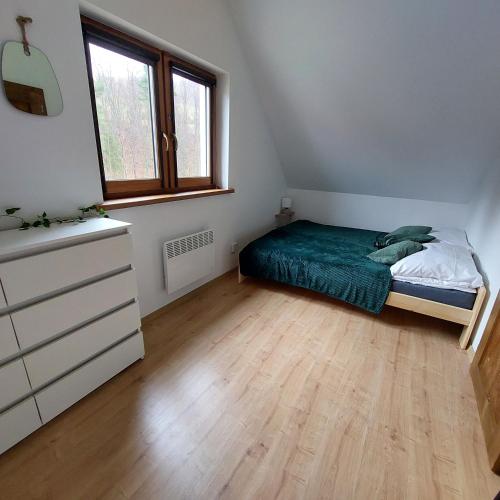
(154, 116)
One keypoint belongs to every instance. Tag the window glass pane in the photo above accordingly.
(192, 127)
(124, 98)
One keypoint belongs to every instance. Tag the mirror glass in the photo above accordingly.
(29, 81)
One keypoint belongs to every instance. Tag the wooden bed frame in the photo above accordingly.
(465, 317)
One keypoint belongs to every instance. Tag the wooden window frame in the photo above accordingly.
(164, 66)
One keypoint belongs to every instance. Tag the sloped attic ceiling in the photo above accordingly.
(383, 97)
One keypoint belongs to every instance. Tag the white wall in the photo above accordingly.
(49, 163)
(387, 97)
(484, 234)
(52, 163)
(375, 212)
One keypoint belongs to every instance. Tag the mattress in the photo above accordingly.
(456, 298)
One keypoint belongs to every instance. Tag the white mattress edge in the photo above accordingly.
(447, 286)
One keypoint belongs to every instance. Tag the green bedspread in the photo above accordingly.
(327, 259)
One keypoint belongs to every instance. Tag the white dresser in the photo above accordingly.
(69, 319)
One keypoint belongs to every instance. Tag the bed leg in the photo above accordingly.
(468, 329)
(240, 276)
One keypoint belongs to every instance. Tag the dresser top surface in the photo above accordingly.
(14, 241)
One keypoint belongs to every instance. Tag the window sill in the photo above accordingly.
(161, 198)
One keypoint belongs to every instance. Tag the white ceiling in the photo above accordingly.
(383, 97)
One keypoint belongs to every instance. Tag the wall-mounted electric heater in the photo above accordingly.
(188, 259)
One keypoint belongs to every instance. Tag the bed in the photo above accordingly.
(332, 260)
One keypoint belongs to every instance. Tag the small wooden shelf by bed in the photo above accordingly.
(465, 317)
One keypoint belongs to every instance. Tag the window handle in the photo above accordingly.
(176, 143)
(165, 136)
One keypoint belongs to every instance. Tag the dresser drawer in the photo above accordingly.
(62, 355)
(17, 422)
(55, 398)
(30, 277)
(13, 383)
(41, 321)
(8, 342)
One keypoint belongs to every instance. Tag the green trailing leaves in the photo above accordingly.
(43, 220)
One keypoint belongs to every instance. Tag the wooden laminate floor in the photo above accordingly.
(263, 391)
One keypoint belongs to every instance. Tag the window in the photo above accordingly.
(154, 116)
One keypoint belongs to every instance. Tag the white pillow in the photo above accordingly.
(440, 265)
(451, 235)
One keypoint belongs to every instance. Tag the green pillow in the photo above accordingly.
(407, 230)
(390, 239)
(413, 233)
(391, 254)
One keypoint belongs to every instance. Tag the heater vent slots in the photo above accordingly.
(189, 243)
(188, 259)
